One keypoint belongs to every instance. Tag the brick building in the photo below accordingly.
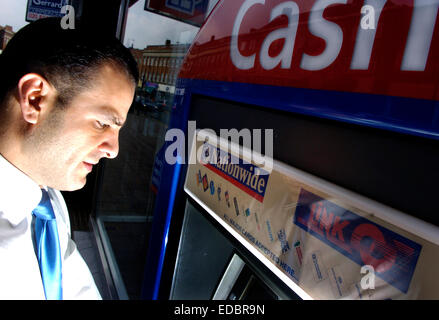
(159, 66)
(6, 34)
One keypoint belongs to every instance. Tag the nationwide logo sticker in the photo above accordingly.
(246, 176)
(393, 256)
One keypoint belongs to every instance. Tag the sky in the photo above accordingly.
(13, 12)
(143, 28)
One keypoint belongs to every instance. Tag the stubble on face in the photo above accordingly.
(62, 147)
(41, 147)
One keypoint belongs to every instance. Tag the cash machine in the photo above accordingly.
(308, 168)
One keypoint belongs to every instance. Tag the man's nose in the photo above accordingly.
(110, 146)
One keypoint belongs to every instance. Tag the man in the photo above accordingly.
(64, 95)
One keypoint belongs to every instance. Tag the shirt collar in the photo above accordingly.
(19, 194)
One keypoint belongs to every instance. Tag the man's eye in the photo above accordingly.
(101, 125)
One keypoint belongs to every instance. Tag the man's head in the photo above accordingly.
(64, 95)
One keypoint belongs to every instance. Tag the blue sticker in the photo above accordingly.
(283, 240)
(270, 234)
(212, 187)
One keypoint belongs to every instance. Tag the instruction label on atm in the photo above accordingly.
(317, 240)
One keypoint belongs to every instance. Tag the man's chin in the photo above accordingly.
(74, 185)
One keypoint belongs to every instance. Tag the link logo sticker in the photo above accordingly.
(393, 256)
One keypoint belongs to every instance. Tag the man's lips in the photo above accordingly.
(88, 166)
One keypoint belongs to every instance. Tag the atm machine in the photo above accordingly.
(333, 197)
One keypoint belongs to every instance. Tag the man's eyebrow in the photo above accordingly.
(113, 116)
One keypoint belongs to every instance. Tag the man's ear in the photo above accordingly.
(34, 93)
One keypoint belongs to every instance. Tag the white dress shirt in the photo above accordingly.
(20, 276)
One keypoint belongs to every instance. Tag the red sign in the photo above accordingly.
(189, 11)
(367, 46)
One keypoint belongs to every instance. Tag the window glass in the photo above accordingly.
(126, 197)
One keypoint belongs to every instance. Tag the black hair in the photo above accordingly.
(66, 58)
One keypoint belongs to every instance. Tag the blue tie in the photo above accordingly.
(48, 250)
